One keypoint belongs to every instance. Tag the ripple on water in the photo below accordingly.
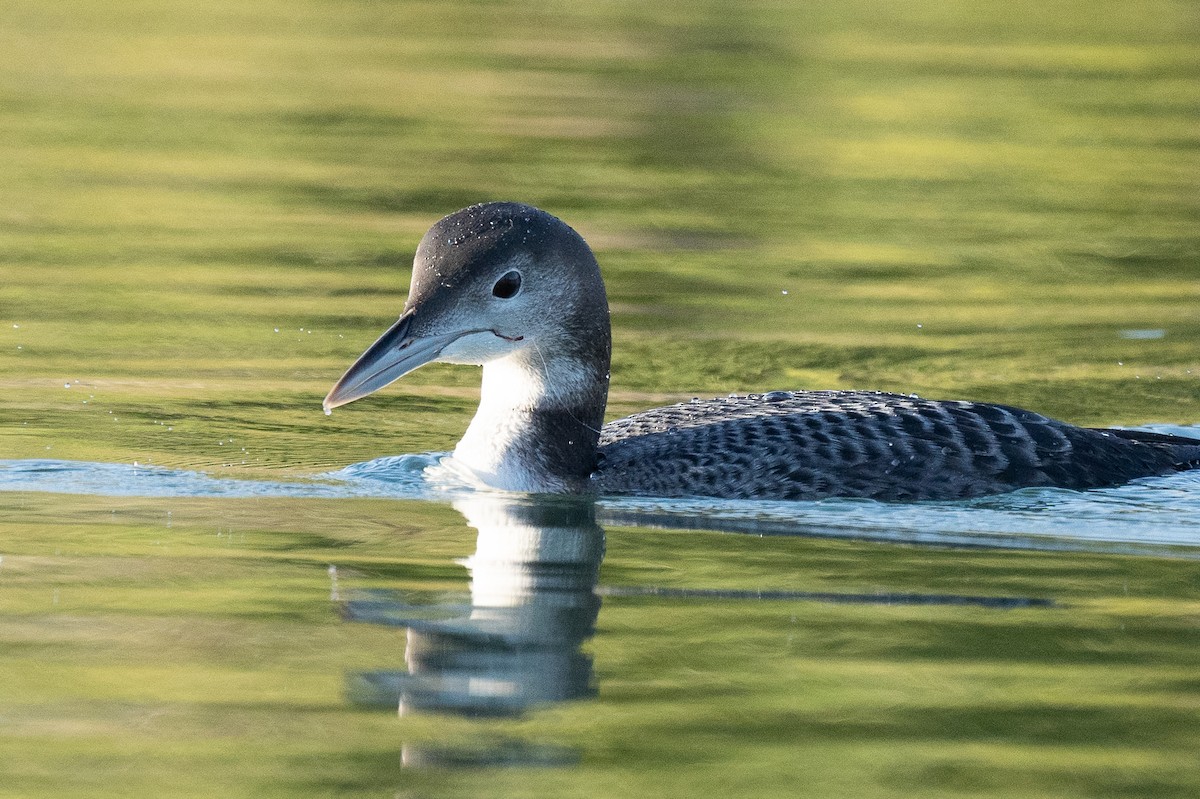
(1156, 515)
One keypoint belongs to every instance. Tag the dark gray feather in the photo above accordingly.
(810, 445)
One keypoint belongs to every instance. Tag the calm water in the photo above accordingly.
(207, 588)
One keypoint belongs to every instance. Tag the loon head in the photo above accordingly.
(494, 282)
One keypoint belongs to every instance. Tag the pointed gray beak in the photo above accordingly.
(395, 354)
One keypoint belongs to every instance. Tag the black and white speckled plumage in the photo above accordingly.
(513, 288)
(809, 445)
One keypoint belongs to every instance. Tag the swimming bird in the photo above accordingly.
(516, 290)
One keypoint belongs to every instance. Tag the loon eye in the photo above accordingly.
(508, 285)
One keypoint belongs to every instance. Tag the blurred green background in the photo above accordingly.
(960, 199)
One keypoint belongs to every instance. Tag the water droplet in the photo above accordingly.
(1143, 335)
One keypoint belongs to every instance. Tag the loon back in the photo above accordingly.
(811, 445)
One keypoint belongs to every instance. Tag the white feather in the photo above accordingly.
(496, 447)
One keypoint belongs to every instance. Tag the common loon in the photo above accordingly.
(515, 289)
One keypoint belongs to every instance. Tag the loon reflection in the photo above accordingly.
(534, 602)
(518, 643)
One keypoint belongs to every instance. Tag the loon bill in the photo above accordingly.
(512, 288)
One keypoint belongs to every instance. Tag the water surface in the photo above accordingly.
(207, 212)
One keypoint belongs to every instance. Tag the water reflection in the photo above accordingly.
(518, 642)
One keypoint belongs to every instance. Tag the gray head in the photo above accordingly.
(493, 281)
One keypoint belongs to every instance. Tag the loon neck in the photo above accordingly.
(538, 423)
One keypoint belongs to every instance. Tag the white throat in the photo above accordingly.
(502, 446)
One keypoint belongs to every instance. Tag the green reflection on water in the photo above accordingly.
(186, 647)
(958, 200)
